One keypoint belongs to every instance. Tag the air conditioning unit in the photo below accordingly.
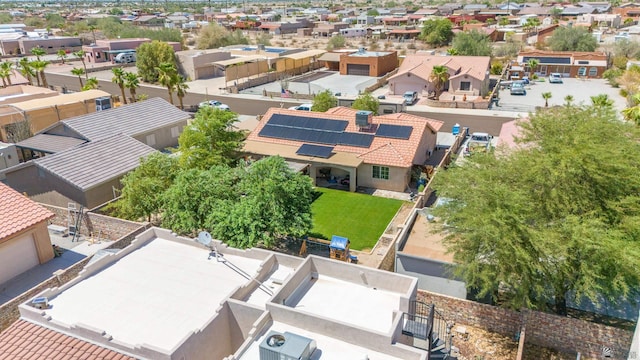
(103, 103)
(287, 346)
(40, 303)
(363, 118)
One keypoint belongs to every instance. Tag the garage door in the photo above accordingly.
(17, 256)
(357, 69)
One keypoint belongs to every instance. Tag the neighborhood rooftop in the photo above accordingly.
(93, 163)
(18, 213)
(132, 119)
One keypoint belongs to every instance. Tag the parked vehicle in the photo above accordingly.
(216, 104)
(125, 58)
(517, 88)
(303, 107)
(410, 97)
(477, 142)
(555, 78)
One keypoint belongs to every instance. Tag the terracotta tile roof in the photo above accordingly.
(24, 340)
(17, 212)
(420, 65)
(383, 151)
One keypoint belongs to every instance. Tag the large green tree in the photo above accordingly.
(324, 101)
(149, 56)
(143, 187)
(214, 36)
(366, 101)
(437, 32)
(556, 218)
(572, 39)
(472, 43)
(271, 201)
(210, 139)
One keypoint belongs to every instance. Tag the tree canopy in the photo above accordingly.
(556, 218)
(572, 39)
(472, 43)
(437, 32)
(149, 56)
(214, 36)
(209, 140)
(324, 101)
(366, 101)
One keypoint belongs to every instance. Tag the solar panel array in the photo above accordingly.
(315, 150)
(394, 131)
(328, 132)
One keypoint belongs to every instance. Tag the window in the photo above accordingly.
(465, 85)
(175, 131)
(151, 140)
(582, 71)
(593, 71)
(583, 62)
(381, 172)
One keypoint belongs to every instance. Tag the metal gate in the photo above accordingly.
(358, 69)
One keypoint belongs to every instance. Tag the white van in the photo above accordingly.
(125, 58)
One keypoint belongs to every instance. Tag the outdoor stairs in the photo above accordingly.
(429, 331)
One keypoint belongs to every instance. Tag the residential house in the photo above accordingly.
(348, 144)
(88, 174)
(279, 28)
(468, 75)
(198, 64)
(24, 238)
(569, 64)
(368, 63)
(107, 50)
(233, 304)
(365, 20)
(405, 33)
(16, 42)
(328, 29)
(610, 20)
(153, 122)
(37, 114)
(354, 32)
(175, 21)
(149, 21)
(19, 93)
(628, 10)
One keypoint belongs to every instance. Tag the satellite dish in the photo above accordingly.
(204, 238)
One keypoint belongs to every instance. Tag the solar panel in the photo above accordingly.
(355, 139)
(394, 131)
(315, 150)
(305, 122)
(304, 135)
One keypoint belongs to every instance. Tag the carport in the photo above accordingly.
(244, 66)
(298, 63)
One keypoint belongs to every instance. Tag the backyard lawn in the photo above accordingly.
(361, 218)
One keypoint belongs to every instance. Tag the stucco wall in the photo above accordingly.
(163, 136)
(408, 82)
(398, 178)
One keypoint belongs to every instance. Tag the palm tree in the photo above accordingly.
(132, 82)
(601, 101)
(62, 55)
(78, 72)
(6, 70)
(439, 76)
(181, 89)
(167, 77)
(533, 64)
(568, 100)
(93, 31)
(80, 54)
(38, 52)
(546, 96)
(39, 66)
(633, 113)
(118, 78)
(91, 84)
(26, 70)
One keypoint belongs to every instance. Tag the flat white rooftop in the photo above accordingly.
(156, 295)
(327, 347)
(350, 303)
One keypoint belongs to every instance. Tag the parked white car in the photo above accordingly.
(216, 104)
(555, 78)
(303, 107)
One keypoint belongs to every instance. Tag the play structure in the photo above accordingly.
(338, 248)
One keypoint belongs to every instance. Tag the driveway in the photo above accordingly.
(581, 90)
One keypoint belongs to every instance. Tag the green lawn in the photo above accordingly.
(361, 218)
